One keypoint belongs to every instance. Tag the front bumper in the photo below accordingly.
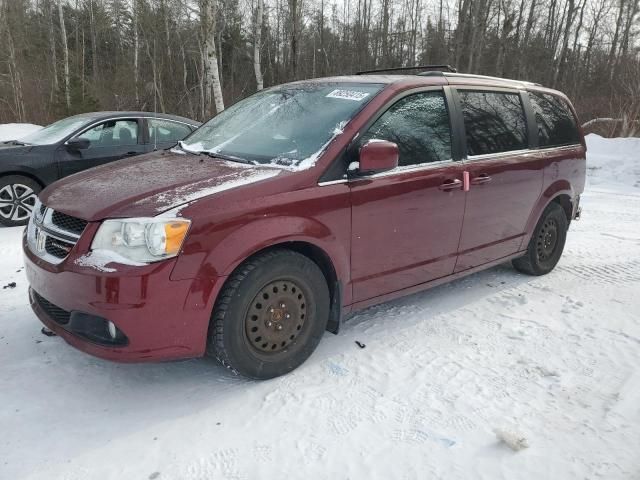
(160, 318)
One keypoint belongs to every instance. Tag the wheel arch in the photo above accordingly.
(560, 192)
(564, 200)
(323, 260)
(23, 173)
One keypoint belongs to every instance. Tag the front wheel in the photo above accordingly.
(546, 244)
(270, 315)
(18, 196)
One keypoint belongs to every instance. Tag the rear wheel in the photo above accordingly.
(270, 315)
(546, 244)
(18, 196)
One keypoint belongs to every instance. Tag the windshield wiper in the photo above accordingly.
(227, 157)
(220, 156)
(15, 142)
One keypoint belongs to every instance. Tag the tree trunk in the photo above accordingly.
(213, 89)
(565, 42)
(65, 52)
(52, 49)
(136, 48)
(257, 40)
(614, 41)
(16, 79)
(94, 43)
(525, 40)
(293, 18)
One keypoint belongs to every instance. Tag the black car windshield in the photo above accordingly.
(55, 132)
(288, 126)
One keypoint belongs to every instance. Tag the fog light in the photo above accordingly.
(112, 330)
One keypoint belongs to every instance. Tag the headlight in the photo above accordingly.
(142, 240)
(31, 228)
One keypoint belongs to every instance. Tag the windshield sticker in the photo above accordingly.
(348, 95)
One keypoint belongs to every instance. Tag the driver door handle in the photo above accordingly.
(452, 184)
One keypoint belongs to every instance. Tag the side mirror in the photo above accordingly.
(78, 144)
(378, 156)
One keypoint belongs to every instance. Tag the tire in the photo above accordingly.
(18, 195)
(546, 244)
(270, 315)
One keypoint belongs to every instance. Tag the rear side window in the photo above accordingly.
(166, 131)
(494, 122)
(556, 124)
(419, 125)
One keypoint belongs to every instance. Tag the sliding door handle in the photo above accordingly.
(449, 185)
(480, 179)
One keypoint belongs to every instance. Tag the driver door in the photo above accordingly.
(406, 223)
(108, 141)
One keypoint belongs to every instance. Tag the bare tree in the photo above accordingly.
(65, 52)
(257, 41)
(212, 86)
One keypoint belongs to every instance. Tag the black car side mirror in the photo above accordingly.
(78, 144)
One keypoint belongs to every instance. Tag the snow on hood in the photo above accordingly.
(148, 185)
(99, 259)
(15, 131)
(188, 193)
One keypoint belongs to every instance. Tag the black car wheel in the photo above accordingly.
(546, 244)
(270, 315)
(18, 196)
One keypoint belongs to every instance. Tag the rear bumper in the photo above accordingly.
(161, 319)
(577, 209)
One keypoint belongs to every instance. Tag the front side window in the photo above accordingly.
(112, 133)
(166, 131)
(494, 122)
(556, 124)
(287, 126)
(419, 125)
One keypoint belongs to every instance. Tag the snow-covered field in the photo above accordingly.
(14, 131)
(554, 359)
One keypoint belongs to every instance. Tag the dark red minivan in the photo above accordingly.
(298, 205)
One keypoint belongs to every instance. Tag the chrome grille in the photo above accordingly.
(51, 235)
(67, 222)
(57, 248)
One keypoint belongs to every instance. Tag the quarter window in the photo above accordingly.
(494, 122)
(556, 124)
(166, 131)
(419, 125)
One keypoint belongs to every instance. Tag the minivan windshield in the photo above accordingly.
(287, 126)
(56, 131)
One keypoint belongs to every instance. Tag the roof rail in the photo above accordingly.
(435, 68)
(472, 75)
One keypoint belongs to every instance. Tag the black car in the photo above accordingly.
(76, 143)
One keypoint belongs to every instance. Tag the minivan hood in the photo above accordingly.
(148, 185)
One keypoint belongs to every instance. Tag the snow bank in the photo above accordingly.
(613, 163)
(15, 131)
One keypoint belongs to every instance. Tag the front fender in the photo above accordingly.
(219, 255)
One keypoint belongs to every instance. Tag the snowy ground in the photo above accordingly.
(555, 359)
